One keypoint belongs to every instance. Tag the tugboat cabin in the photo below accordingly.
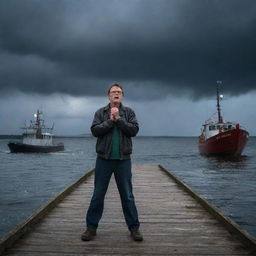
(32, 137)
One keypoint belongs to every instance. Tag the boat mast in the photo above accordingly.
(220, 119)
(38, 123)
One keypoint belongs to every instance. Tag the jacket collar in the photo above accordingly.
(121, 107)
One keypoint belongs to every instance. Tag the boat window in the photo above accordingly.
(230, 127)
(211, 127)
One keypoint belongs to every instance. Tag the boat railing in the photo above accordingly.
(30, 130)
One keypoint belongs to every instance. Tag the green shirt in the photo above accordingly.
(115, 150)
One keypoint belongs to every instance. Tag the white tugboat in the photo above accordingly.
(36, 138)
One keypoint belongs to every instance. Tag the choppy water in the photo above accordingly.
(29, 180)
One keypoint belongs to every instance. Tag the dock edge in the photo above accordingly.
(22, 228)
(233, 228)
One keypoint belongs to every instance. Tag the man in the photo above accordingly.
(113, 125)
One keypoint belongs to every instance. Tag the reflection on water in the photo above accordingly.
(224, 162)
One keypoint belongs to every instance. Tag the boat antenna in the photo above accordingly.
(220, 119)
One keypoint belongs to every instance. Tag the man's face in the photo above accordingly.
(115, 95)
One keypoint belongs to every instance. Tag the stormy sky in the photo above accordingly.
(61, 56)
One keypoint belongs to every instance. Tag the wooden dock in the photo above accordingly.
(172, 223)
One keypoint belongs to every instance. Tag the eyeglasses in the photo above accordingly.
(114, 92)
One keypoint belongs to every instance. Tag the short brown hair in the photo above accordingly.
(117, 85)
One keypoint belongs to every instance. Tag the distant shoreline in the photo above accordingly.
(4, 136)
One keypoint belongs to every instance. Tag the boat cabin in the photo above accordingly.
(30, 137)
(212, 129)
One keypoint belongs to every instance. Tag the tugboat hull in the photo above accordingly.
(16, 147)
(229, 143)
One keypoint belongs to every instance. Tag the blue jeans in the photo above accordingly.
(123, 176)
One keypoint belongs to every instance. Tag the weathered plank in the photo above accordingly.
(233, 227)
(172, 222)
(24, 227)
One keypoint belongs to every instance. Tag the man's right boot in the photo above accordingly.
(88, 235)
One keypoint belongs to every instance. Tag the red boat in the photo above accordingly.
(221, 137)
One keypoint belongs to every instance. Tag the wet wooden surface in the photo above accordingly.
(172, 223)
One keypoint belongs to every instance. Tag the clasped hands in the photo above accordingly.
(114, 115)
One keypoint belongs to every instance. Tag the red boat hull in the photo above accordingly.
(229, 143)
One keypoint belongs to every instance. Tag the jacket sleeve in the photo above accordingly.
(99, 127)
(129, 127)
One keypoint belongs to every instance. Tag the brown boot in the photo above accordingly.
(88, 235)
(136, 235)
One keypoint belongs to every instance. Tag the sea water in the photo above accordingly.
(28, 181)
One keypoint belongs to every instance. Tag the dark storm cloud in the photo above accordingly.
(79, 47)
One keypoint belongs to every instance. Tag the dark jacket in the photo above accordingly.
(102, 127)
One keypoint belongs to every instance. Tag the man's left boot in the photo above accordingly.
(136, 235)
